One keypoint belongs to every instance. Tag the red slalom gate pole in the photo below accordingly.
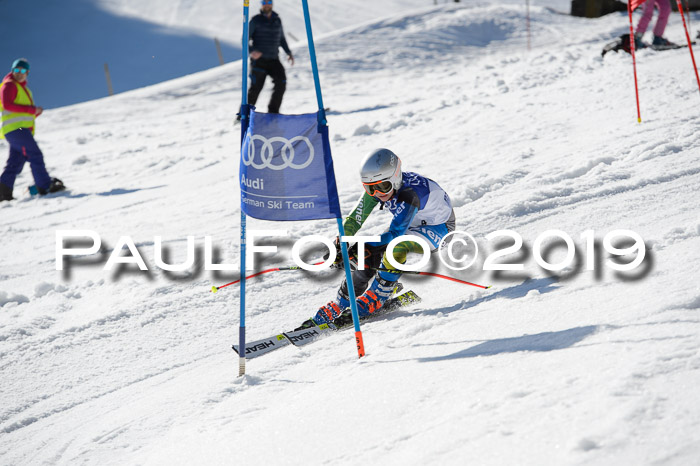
(452, 279)
(690, 45)
(214, 289)
(432, 274)
(634, 62)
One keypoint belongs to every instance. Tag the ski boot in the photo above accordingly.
(662, 42)
(55, 186)
(345, 319)
(326, 313)
(378, 292)
(5, 193)
(638, 42)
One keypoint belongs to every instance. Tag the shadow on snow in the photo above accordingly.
(542, 285)
(546, 341)
(71, 195)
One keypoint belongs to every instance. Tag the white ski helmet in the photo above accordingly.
(381, 171)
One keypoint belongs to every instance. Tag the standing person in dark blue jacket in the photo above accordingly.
(267, 36)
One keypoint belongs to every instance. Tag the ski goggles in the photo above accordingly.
(382, 187)
(266, 2)
(20, 70)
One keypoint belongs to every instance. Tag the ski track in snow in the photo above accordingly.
(592, 368)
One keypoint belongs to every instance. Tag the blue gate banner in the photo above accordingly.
(286, 169)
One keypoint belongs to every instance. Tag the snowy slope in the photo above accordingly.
(146, 41)
(594, 368)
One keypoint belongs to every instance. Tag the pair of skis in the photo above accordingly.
(623, 43)
(305, 336)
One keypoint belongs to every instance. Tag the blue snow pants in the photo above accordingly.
(23, 148)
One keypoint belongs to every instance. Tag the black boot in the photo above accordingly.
(344, 319)
(307, 324)
(5, 193)
(55, 186)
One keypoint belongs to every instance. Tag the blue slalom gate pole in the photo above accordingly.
(241, 330)
(341, 231)
(245, 113)
(351, 292)
(314, 66)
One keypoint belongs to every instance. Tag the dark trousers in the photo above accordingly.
(259, 70)
(23, 148)
(360, 281)
(361, 278)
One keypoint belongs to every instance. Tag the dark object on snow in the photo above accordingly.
(5, 193)
(596, 8)
(623, 43)
(670, 46)
(663, 42)
(55, 186)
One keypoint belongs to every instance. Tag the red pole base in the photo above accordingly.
(360, 344)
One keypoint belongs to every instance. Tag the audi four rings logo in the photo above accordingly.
(267, 152)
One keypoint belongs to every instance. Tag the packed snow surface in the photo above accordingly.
(579, 366)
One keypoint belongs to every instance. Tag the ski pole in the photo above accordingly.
(214, 289)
